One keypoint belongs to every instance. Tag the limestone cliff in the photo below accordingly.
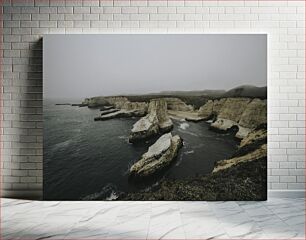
(117, 102)
(251, 148)
(206, 110)
(155, 122)
(177, 104)
(255, 114)
(158, 157)
(95, 102)
(243, 113)
(117, 107)
(258, 153)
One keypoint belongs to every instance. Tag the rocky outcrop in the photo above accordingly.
(206, 110)
(188, 116)
(244, 114)
(241, 177)
(116, 107)
(233, 108)
(103, 108)
(177, 104)
(230, 114)
(211, 108)
(155, 122)
(258, 153)
(105, 112)
(117, 102)
(254, 115)
(106, 103)
(255, 137)
(218, 104)
(158, 157)
(120, 114)
(95, 102)
(133, 106)
(251, 148)
(246, 181)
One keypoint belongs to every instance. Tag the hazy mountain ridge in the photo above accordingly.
(247, 91)
(240, 91)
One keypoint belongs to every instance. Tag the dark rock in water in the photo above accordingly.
(158, 157)
(62, 104)
(109, 111)
(120, 114)
(106, 108)
(79, 105)
(155, 122)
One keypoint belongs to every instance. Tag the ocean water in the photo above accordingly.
(89, 160)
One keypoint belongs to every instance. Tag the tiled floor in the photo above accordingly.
(274, 219)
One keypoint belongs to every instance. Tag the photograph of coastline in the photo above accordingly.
(155, 117)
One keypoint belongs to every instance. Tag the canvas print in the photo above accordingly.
(155, 117)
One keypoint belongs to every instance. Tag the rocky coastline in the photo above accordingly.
(240, 177)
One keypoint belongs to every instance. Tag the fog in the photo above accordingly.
(79, 66)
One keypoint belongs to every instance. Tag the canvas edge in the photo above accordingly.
(38, 194)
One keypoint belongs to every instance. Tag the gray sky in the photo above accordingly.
(79, 66)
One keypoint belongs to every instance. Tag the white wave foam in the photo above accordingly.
(113, 196)
(180, 159)
(108, 193)
(184, 125)
(62, 144)
(189, 152)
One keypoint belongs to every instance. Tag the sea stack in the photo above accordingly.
(155, 122)
(158, 157)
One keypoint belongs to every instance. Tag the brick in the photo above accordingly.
(96, 10)
(21, 16)
(63, 10)
(91, 16)
(74, 3)
(29, 10)
(296, 186)
(40, 16)
(57, 17)
(147, 9)
(47, 24)
(98, 24)
(48, 10)
(29, 24)
(81, 24)
(288, 179)
(129, 10)
(186, 10)
(81, 10)
(91, 3)
(139, 17)
(158, 3)
(166, 10)
(73, 17)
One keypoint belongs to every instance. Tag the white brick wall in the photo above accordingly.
(25, 21)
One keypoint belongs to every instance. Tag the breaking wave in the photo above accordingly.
(184, 125)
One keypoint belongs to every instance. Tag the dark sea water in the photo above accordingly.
(84, 159)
